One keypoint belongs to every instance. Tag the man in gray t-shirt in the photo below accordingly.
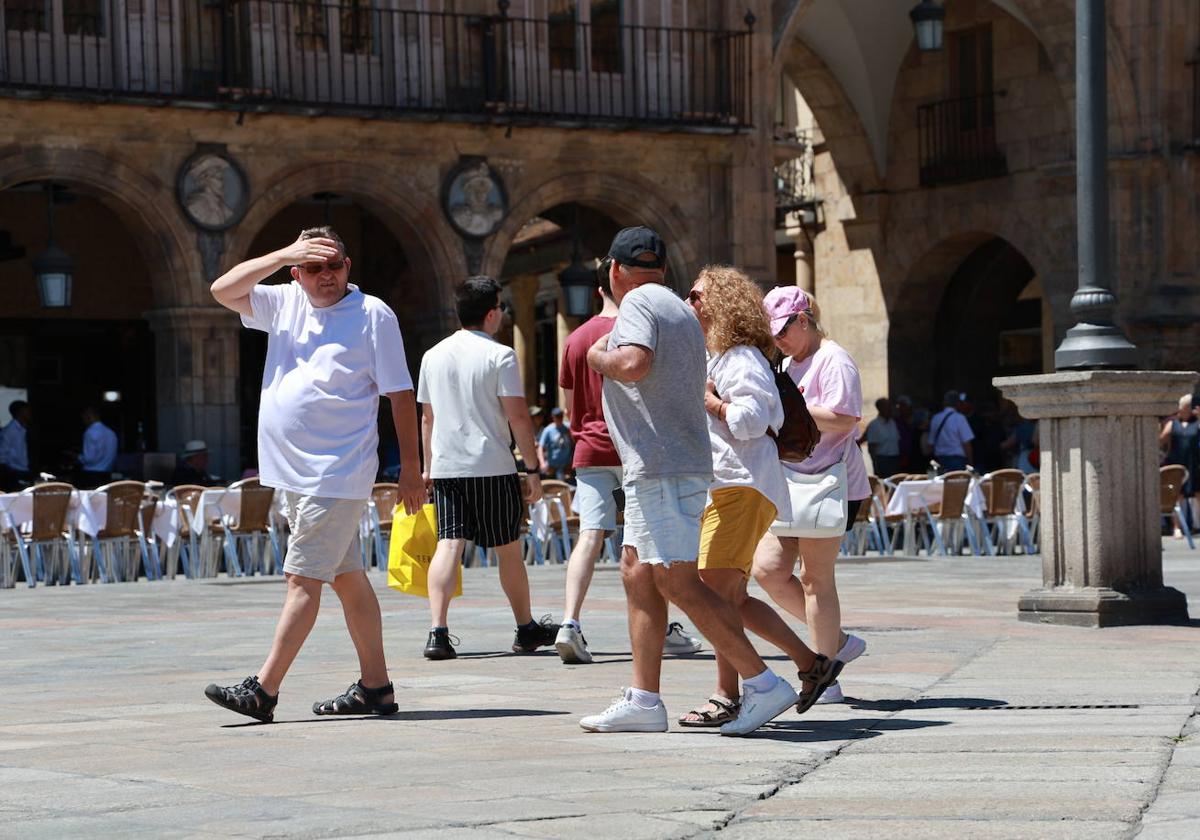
(653, 363)
(658, 422)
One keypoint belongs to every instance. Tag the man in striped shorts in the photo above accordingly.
(474, 405)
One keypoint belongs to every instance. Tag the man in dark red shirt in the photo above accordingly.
(598, 475)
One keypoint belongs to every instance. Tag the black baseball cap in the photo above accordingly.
(631, 244)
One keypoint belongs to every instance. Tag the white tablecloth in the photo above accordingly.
(910, 496)
(93, 516)
(16, 510)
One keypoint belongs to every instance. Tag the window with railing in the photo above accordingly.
(85, 17)
(580, 62)
(311, 26)
(26, 15)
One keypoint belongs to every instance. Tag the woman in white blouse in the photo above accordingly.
(749, 490)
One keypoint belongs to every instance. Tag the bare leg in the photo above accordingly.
(443, 579)
(647, 620)
(300, 607)
(714, 617)
(361, 608)
(820, 593)
(774, 564)
(514, 580)
(579, 570)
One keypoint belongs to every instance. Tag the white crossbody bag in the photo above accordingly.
(819, 503)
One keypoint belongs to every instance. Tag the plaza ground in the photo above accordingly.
(963, 722)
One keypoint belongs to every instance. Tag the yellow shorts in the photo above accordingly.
(731, 527)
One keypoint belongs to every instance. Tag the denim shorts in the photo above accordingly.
(662, 517)
(594, 495)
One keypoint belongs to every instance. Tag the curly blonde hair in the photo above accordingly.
(732, 303)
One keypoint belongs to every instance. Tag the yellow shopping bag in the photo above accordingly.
(414, 539)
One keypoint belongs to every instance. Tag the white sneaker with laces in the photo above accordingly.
(758, 708)
(626, 716)
(854, 648)
(833, 694)
(679, 642)
(571, 646)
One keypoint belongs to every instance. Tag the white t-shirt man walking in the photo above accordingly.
(331, 352)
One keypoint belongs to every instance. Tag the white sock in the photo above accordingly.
(644, 699)
(763, 682)
(572, 622)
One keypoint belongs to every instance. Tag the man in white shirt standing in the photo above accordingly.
(331, 352)
(99, 454)
(883, 440)
(14, 447)
(950, 435)
(473, 407)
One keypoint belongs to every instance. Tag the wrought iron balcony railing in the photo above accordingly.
(359, 56)
(958, 141)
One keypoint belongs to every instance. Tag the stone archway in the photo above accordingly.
(436, 250)
(144, 205)
(628, 199)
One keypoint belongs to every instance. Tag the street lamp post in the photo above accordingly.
(53, 268)
(1095, 341)
(578, 281)
(928, 21)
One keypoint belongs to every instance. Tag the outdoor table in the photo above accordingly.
(93, 516)
(911, 497)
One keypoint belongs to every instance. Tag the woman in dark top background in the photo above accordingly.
(1181, 434)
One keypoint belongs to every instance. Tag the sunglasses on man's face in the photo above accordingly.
(317, 268)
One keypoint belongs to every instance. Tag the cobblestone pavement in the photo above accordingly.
(962, 722)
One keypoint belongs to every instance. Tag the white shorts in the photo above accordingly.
(324, 539)
(662, 517)
(594, 489)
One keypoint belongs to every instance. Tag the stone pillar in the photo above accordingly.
(805, 273)
(196, 375)
(564, 325)
(1101, 548)
(524, 293)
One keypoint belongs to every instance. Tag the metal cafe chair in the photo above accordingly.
(253, 530)
(1003, 517)
(380, 512)
(185, 549)
(954, 520)
(558, 496)
(1171, 479)
(48, 551)
(1033, 510)
(117, 547)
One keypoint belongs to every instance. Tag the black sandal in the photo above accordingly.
(248, 699)
(727, 710)
(358, 700)
(813, 682)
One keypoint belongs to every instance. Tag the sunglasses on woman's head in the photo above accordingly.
(317, 268)
(694, 296)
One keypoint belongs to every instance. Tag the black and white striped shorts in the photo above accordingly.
(488, 510)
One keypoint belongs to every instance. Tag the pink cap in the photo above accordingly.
(783, 302)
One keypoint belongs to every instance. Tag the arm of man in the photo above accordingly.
(232, 289)
(627, 363)
(968, 451)
(404, 416)
(522, 428)
(427, 441)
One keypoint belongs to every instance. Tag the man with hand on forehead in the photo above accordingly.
(654, 366)
(331, 352)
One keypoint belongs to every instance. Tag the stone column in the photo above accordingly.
(196, 376)
(524, 293)
(1101, 544)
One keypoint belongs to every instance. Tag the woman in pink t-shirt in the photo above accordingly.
(829, 380)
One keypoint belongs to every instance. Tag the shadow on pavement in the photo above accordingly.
(925, 703)
(803, 732)
(417, 714)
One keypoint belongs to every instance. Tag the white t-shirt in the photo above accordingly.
(320, 398)
(462, 378)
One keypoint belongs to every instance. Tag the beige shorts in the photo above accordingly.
(324, 539)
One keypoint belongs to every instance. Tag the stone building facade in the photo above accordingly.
(928, 259)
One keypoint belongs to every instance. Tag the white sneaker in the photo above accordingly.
(833, 694)
(758, 708)
(850, 651)
(626, 716)
(678, 642)
(571, 646)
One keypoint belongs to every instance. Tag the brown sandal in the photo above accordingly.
(823, 673)
(727, 710)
